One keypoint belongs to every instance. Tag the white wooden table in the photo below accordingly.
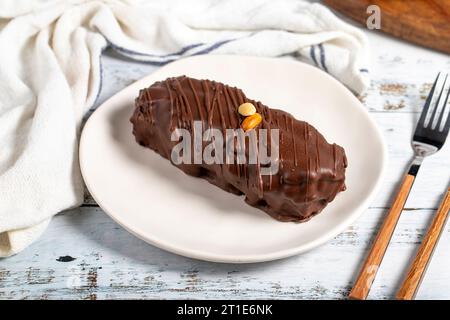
(85, 255)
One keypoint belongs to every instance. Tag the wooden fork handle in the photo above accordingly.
(369, 270)
(417, 269)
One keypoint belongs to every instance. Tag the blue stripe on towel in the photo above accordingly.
(160, 60)
(213, 47)
(322, 57)
(135, 53)
(312, 53)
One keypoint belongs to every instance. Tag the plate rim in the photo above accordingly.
(279, 254)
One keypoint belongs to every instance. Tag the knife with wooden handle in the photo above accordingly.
(417, 269)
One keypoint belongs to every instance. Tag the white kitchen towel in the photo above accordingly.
(50, 75)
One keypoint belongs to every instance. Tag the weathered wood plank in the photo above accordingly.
(105, 261)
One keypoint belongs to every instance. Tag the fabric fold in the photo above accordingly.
(50, 76)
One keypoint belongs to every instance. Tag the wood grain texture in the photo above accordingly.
(104, 261)
(372, 263)
(417, 270)
(424, 22)
(107, 262)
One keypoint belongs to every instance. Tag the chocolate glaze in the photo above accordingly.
(311, 171)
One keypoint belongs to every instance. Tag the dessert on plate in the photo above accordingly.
(304, 173)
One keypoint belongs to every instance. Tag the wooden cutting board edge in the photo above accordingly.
(405, 28)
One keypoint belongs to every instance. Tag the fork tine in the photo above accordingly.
(436, 106)
(447, 125)
(427, 104)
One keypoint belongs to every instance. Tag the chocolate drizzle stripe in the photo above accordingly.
(205, 85)
(318, 154)
(293, 142)
(219, 108)
(241, 98)
(232, 114)
(148, 96)
(171, 128)
(334, 156)
(308, 164)
(232, 96)
(197, 100)
(185, 102)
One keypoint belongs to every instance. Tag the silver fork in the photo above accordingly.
(430, 135)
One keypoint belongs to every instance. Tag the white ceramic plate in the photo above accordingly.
(159, 203)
